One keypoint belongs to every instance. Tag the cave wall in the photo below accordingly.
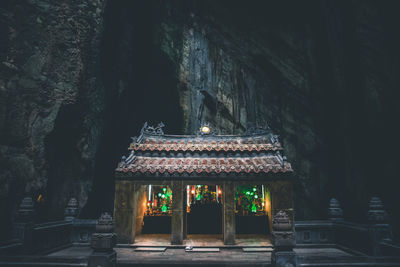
(78, 78)
(322, 74)
(50, 103)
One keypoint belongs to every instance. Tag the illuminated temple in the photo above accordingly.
(201, 184)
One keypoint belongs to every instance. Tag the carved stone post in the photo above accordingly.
(379, 228)
(125, 210)
(229, 213)
(177, 219)
(103, 242)
(283, 239)
(72, 210)
(335, 212)
(24, 220)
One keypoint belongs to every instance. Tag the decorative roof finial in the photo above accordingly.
(153, 130)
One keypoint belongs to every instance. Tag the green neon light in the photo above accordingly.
(164, 208)
(247, 193)
(159, 194)
(253, 208)
(255, 196)
(164, 189)
(254, 189)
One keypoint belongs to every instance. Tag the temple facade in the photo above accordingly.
(203, 183)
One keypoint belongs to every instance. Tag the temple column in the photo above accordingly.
(124, 211)
(177, 223)
(229, 213)
(184, 212)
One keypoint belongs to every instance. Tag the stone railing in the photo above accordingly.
(373, 238)
(315, 232)
(50, 236)
(32, 238)
(82, 230)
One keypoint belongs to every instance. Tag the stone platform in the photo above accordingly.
(200, 240)
(177, 256)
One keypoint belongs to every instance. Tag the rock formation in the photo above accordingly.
(78, 78)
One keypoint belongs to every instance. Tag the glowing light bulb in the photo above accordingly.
(256, 196)
(205, 129)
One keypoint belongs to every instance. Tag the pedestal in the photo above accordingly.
(103, 259)
(284, 259)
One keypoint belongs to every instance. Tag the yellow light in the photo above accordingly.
(205, 129)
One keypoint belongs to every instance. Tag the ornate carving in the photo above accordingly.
(376, 212)
(72, 210)
(281, 222)
(283, 235)
(105, 224)
(153, 130)
(104, 239)
(335, 212)
(26, 211)
(103, 242)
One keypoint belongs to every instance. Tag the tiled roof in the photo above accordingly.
(155, 154)
(198, 144)
(264, 164)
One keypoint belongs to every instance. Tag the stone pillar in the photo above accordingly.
(103, 242)
(184, 212)
(229, 213)
(379, 228)
(177, 213)
(72, 210)
(335, 212)
(283, 239)
(125, 203)
(24, 219)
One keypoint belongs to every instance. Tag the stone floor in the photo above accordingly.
(177, 256)
(202, 240)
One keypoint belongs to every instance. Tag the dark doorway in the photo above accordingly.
(204, 209)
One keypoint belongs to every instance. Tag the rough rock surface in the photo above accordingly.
(50, 101)
(322, 74)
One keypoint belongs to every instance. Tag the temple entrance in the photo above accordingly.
(204, 209)
(158, 210)
(252, 210)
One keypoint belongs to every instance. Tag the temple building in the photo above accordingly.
(225, 185)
